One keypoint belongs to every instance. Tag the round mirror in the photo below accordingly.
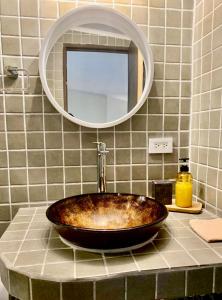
(96, 67)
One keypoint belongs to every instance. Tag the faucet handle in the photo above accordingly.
(101, 147)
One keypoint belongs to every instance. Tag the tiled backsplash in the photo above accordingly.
(43, 156)
(206, 142)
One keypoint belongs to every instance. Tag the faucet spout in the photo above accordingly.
(101, 167)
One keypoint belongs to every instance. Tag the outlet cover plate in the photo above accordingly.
(161, 145)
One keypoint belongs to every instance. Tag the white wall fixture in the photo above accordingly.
(161, 145)
(96, 21)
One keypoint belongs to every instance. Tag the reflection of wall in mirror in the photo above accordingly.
(101, 108)
(89, 100)
(54, 67)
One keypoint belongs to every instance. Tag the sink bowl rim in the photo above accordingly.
(87, 229)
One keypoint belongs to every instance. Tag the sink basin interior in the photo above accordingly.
(107, 211)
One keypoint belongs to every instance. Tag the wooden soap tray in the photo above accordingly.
(194, 209)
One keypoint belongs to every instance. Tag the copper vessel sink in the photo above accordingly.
(107, 220)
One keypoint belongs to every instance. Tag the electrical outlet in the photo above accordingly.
(161, 145)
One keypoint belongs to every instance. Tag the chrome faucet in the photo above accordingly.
(101, 166)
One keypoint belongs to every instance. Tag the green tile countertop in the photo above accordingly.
(36, 265)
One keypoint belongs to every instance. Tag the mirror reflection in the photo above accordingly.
(96, 73)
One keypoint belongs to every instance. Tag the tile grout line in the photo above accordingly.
(135, 262)
(23, 102)
(156, 285)
(214, 278)
(186, 282)
(74, 263)
(46, 252)
(125, 287)
(210, 97)
(164, 85)
(26, 233)
(94, 290)
(5, 125)
(96, 259)
(60, 290)
(43, 112)
(199, 89)
(81, 158)
(30, 288)
(162, 256)
(105, 263)
(180, 85)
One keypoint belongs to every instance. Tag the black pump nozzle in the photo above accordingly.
(184, 168)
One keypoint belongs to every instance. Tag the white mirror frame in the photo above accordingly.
(100, 15)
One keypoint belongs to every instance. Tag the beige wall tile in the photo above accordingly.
(122, 173)
(48, 9)
(217, 37)
(10, 46)
(15, 140)
(173, 36)
(28, 10)
(171, 89)
(18, 176)
(187, 37)
(158, 53)
(15, 122)
(173, 18)
(9, 8)
(188, 4)
(155, 106)
(172, 71)
(173, 4)
(9, 26)
(30, 47)
(29, 27)
(156, 17)
(17, 159)
(45, 26)
(72, 174)
(126, 10)
(139, 172)
(206, 44)
(37, 193)
(122, 156)
(65, 7)
(36, 176)
(139, 15)
(171, 106)
(156, 35)
(54, 175)
(157, 89)
(187, 19)
(217, 59)
(139, 140)
(173, 54)
(35, 140)
(208, 7)
(157, 3)
(14, 104)
(217, 16)
(207, 24)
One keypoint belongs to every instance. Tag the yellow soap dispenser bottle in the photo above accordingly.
(184, 185)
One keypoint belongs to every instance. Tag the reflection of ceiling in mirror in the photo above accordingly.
(102, 29)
